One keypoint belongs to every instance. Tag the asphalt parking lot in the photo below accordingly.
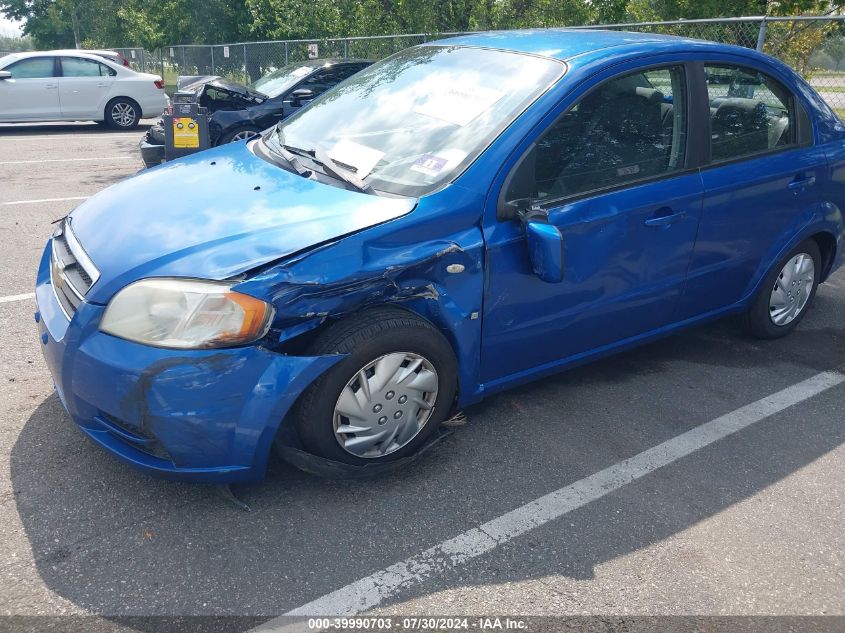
(652, 511)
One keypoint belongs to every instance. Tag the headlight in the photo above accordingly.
(185, 314)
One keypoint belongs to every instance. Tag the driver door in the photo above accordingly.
(611, 174)
(32, 93)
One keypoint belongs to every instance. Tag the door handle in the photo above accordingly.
(102, 85)
(801, 182)
(665, 218)
(51, 86)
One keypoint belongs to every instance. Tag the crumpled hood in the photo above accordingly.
(213, 215)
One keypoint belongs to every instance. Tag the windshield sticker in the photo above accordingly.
(429, 164)
(458, 105)
(360, 158)
(435, 164)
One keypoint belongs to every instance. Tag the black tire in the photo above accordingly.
(126, 105)
(366, 337)
(758, 319)
(230, 136)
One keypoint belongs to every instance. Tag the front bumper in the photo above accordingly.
(205, 416)
(152, 153)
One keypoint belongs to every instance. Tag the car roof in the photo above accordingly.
(331, 61)
(73, 51)
(565, 44)
(89, 51)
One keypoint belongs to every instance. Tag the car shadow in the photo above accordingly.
(117, 543)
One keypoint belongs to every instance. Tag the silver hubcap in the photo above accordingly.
(123, 114)
(244, 135)
(385, 404)
(792, 289)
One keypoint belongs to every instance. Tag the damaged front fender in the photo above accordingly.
(439, 276)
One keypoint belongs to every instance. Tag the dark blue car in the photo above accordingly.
(462, 217)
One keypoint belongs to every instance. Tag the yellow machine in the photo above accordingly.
(185, 127)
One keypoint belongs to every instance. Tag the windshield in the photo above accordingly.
(280, 80)
(418, 118)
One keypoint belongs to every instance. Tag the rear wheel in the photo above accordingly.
(385, 399)
(241, 134)
(786, 293)
(122, 113)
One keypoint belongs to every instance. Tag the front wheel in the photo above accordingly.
(786, 293)
(385, 399)
(241, 134)
(122, 114)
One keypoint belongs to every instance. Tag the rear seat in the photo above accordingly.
(742, 126)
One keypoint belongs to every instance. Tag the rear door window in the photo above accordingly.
(80, 67)
(750, 113)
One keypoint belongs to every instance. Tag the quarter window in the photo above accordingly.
(628, 129)
(32, 68)
(750, 113)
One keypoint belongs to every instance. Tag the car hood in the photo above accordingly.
(238, 89)
(215, 215)
(197, 83)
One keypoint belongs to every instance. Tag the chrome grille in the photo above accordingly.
(72, 273)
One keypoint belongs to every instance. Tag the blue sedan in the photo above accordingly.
(464, 216)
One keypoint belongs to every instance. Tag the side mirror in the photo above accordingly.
(545, 250)
(5, 74)
(300, 95)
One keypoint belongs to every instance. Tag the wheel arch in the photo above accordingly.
(286, 432)
(119, 98)
(826, 242)
(810, 226)
(234, 129)
(436, 318)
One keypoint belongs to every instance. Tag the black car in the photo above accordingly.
(239, 112)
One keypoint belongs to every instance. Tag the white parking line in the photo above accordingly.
(24, 297)
(66, 160)
(45, 200)
(70, 136)
(368, 592)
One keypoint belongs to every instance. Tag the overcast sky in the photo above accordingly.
(7, 27)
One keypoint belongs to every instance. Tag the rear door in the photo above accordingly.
(84, 87)
(32, 92)
(764, 172)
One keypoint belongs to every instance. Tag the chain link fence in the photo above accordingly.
(246, 62)
(813, 45)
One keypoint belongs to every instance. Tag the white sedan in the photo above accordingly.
(60, 86)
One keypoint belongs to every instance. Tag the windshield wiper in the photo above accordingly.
(288, 158)
(332, 169)
(319, 156)
(298, 150)
(322, 157)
